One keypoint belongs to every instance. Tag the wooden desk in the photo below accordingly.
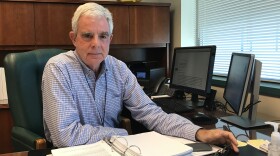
(261, 133)
(16, 154)
(6, 124)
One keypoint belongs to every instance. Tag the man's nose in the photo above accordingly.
(95, 40)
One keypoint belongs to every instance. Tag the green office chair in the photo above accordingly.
(23, 76)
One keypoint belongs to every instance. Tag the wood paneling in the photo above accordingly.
(39, 25)
(149, 24)
(16, 24)
(54, 31)
(53, 23)
(121, 24)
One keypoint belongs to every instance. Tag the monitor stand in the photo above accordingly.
(244, 123)
(196, 102)
(208, 103)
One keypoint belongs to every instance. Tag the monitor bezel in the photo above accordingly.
(207, 89)
(246, 84)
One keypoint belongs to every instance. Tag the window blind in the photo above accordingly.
(245, 26)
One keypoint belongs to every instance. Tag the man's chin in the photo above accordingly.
(95, 56)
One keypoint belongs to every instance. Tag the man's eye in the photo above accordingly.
(87, 36)
(104, 36)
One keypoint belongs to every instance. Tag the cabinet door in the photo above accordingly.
(53, 23)
(149, 24)
(121, 24)
(16, 23)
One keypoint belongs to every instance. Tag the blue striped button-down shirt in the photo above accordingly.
(79, 108)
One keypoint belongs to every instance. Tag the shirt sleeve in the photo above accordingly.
(62, 123)
(145, 111)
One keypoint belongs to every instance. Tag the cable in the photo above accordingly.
(242, 135)
(228, 109)
(250, 106)
(228, 126)
(220, 105)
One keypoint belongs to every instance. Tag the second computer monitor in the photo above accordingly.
(243, 78)
(192, 69)
(239, 81)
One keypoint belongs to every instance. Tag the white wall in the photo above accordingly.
(183, 24)
(188, 23)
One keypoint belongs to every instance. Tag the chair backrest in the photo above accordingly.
(23, 77)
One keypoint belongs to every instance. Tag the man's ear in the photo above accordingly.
(73, 36)
(111, 37)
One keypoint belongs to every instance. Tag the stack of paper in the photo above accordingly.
(153, 143)
(144, 144)
(3, 89)
(99, 148)
(259, 144)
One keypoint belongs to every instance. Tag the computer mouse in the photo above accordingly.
(203, 119)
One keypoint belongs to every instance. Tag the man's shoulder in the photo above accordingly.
(114, 63)
(63, 58)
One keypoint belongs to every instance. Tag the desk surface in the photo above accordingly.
(6, 124)
(263, 133)
(25, 153)
(239, 133)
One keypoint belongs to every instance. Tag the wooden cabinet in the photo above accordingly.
(16, 24)
(55, 31)
(53, 23)
(149, 24)
(40, 24)
(33, 24)
(121, 23)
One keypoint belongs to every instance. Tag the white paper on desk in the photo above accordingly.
(186, 141)
(159, 96)
(155, 144)
(100, 148)
(3, 88)
(259, 144)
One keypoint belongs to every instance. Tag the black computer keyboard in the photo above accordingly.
(174, 105)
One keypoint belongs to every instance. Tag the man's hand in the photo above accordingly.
(217, 136)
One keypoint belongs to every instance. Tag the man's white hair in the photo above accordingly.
(92, 9)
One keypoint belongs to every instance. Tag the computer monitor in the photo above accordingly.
(238, 81)
(243, 79)
(192, 71)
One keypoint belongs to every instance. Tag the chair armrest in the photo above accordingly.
(28, 139)
(126, 124)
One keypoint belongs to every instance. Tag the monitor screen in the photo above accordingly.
(238, 81)
(192, 69)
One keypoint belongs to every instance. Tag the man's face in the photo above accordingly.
(92, 40)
